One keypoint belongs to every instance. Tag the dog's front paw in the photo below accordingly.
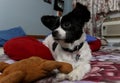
(61, 76)
(75, 75)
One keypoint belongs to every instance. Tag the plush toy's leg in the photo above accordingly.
(3, 65)
(15, 77)
(65, 67)
(61, 66)
(51, 65)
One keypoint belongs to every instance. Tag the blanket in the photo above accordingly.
(105, 68)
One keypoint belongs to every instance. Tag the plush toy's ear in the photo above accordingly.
(51, 22)
(81, 11)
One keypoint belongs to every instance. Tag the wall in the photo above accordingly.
(27, 13)
(67, 6)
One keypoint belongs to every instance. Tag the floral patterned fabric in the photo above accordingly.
(98, 9)
(105, 65)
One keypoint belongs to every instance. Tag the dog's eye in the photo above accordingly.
(66, 25)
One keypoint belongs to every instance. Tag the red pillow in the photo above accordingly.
(95, 45)
(25, 47)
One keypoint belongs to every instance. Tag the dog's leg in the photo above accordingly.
(82, 66)
(79, 72)
(61, 77)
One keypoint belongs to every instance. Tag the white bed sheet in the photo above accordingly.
(1, 51)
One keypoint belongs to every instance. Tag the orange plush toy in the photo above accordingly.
(30, 70)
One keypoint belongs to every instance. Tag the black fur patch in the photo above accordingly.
(54, 45)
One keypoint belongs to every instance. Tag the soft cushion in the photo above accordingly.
(95, 45)
(90, 38)
(93, 42)
(5, 35)
(24, 47)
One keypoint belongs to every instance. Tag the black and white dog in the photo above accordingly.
(67, 41)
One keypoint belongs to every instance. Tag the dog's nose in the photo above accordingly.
(54, 33)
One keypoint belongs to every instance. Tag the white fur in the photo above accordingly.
(80, 66)
(61, 32)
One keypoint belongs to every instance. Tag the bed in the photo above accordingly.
(105, 66)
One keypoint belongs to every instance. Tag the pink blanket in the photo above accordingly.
(105, 68)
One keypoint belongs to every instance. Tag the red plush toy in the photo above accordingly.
(25, 47)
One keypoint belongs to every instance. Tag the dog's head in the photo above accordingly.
(69, 27)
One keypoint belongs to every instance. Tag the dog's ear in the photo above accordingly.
(51, 22)
(82, 11)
